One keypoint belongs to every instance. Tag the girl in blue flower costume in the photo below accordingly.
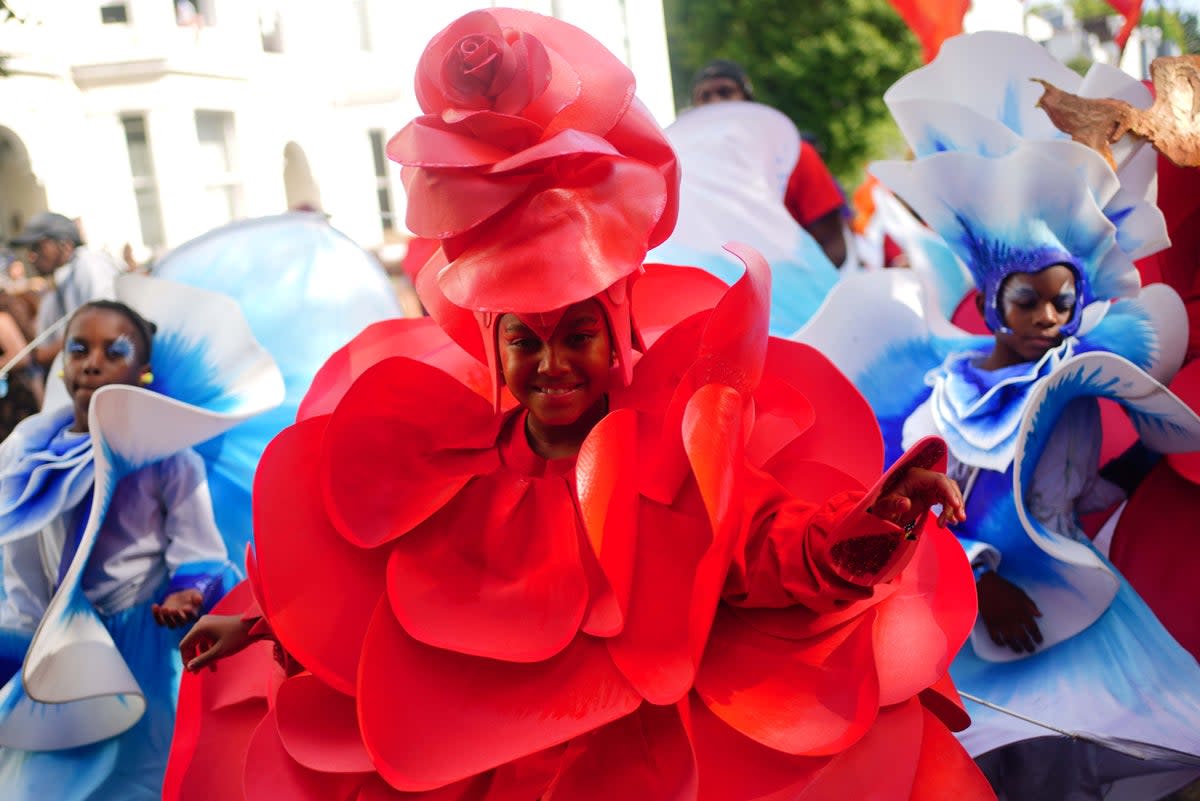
(109, 538)
(1048, 230)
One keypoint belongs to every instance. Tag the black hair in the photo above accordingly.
(723, 68)
(144, 327)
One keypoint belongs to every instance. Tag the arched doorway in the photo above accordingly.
(299, 187)
(21, 194)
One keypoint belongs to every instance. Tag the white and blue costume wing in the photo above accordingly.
(305, 289)
(736, 159)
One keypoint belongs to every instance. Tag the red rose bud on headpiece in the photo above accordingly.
(532, 140)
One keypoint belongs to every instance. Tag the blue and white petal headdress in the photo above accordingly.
(1021, 212)
(977, 103)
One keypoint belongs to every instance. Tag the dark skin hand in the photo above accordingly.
(1008, 613)
(213, 638)
(915, 492)
(178, 609)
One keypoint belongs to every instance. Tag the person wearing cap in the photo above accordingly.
(76, 273)
(812, 197)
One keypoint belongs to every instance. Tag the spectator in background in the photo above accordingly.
(76, 273)
(813, 197)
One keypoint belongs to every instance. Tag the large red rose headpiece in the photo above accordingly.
(543, 177)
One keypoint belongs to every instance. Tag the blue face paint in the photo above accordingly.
(76, 346)
(121, 349)
(1017, 294)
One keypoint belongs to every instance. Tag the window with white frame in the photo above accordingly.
(145, 188)
(383, 184)
(221, 196)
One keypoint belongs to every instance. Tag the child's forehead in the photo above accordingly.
(101, 322)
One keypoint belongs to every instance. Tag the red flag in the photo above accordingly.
(1131, 10)
(935, 21)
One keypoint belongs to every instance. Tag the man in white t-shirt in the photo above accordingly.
(77, 274)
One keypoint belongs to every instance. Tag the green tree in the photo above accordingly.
(824, 63)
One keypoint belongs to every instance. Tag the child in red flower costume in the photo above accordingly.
(504, 556)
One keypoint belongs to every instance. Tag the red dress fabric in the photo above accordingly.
(811, 190)
(697, 606)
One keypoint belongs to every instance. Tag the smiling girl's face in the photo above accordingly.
(102, 348)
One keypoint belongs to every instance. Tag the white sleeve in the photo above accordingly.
(1067, 478)
(191, 530)
(26, 587)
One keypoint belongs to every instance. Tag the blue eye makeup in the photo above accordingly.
(76, 346)
(121, 349)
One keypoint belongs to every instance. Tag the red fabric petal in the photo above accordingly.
(809, 698)
(513, 134)
(944, 769)
(606, 485)
(737, 360)
(456, 321)
(606, 88)
(667, 294)
(638, 135)
(463, 715)
(782, 415)
(473, 789)
(563, 242)
(429, 142)
(567, 143)
(922, 625)
(319, 728)
(403, 441)
(646, 755)
(520, 73)
(217, 714)
(845, 434)
(478, 197)
(1186, 385)
(421, 339)
(942, 699)
(215, 761)
(496, 572)
(1156, 551)
(735, 768)
(295, 543)
(271, 774)
(656, 379)
(527, 83)
(881, 766)
(713, 436)
(655, 649)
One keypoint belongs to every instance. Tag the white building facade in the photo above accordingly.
(152, 121)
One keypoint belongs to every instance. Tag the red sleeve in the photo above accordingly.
(823, 557)
(811, 191)
(820, 557)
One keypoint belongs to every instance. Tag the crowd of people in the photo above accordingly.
(621, 515)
